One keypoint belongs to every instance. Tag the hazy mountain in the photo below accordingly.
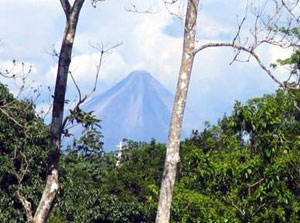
(138, 108)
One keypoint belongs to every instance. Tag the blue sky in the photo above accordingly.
(152, 42)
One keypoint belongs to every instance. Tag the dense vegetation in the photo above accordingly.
(23, 152)
(243, 169)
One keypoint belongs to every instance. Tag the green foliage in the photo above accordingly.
(23, 151)
(89, 142)
(292, 62)
(290, 31)
(243, 169)
(248, 168)
(95, 190)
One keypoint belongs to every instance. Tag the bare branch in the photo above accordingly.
(94, 2)
(240, 25)
(267, 29)
(78, 89)
(102, 51)
(81, 100)
(8, 73)
(18, 73)
(180, 9)
(290, 8)
(253, 185)
(258, 209)
(26, 204)
(50, 104)
(11, 118)
(170, 2)
(242, 212)
(134, 8)
(53, 53)
(256, 183)
(241, 48)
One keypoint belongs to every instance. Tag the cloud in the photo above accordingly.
(208, 28)
(275, 53)
(146, 45)
(159, 52)
(84, 69)
(28, 28)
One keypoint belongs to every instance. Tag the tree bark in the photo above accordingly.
(52, 183)
(172, 154)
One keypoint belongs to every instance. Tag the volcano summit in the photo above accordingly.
(138, 108)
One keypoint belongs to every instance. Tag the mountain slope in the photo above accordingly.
(138, 108)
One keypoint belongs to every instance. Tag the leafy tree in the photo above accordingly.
(189, 51)
(42, 211)
(245, 169)
(23, 154)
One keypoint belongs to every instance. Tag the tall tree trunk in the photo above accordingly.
(172, 155)
(52, 184)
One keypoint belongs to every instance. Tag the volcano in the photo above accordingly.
(137, 108)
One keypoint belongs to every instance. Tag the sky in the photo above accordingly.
(31, 29)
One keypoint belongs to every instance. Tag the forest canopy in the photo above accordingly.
(245, 168)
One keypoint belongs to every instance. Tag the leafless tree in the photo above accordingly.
(266, 30)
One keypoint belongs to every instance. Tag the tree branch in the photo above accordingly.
(81, 100)
(76, 7)
(247, 50)
(66, 6)
(134, 8)
(242, 212)
(11, 118)
(26, 204)
(94, 2)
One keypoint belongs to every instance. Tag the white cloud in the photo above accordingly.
(276, 53)
(50, 4)
(40, 23)
(159, 52)
(208, 28)
(29, 27)
(84, 69)
(279, 53)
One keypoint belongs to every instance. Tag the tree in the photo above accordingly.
(24, 140)
(57, 125)
(172, 154)
(270, 26)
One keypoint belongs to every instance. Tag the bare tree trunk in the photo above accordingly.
(172, 155)
(52, 184)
